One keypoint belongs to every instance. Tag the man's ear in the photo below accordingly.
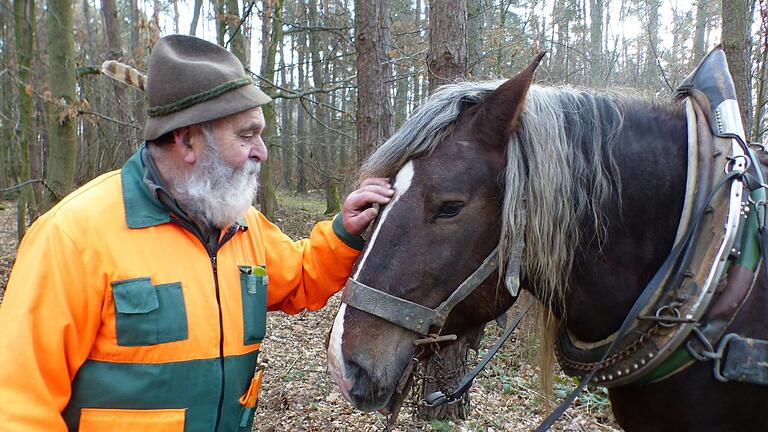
(182, 145)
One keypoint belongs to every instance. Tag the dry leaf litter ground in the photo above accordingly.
(299, 395)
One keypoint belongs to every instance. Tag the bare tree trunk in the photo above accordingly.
(6, 95)
(195, 16)
(286, 131)
(737, 21)
(61, 83)
(238, 43)
(401, 98)
(372, 39)
(560, 19)
(221, 21)
(757, 128)
(447, 56)
(417, 68)
(650, 68)
(533, 31)
(175, 16)
(475, 24)
(595, 40)
(301, 129)
(447, 62)
(702, 16)
(24, 12)
(332, 201)
(272, 20)
(140, 102)
(115, 52)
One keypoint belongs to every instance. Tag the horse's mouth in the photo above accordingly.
(389, 407)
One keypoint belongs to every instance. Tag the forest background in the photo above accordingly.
(344, 74)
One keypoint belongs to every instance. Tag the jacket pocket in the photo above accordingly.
(147, 314)
(253, 285)
(248, 402)
(129, 420)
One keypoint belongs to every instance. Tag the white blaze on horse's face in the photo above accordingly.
(335, 355)
(402, 183)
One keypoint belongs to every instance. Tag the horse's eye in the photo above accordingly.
(449, 209)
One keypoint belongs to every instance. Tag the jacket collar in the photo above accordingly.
(142, 208)
(140, 197)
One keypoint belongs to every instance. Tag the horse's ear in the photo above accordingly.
(503, 106)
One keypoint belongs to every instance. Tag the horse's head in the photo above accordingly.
(444, 220)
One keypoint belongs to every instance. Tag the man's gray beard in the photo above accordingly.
(216, 193)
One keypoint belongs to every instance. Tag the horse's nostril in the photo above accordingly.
(365, 393)
(357, 373)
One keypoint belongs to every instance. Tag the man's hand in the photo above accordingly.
(357, 211)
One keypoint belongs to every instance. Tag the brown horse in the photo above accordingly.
(594, 183)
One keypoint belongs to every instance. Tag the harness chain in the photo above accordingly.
(614, 358)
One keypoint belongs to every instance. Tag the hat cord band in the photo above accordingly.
(195, 99)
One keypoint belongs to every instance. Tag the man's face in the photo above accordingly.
(221, 184)
(239, 137)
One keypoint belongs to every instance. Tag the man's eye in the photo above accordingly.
(449, 209)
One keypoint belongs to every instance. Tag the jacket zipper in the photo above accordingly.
(221, 339)
(212, 254)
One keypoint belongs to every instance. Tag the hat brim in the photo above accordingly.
(231, 102)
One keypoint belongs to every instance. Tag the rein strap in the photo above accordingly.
(441, 398)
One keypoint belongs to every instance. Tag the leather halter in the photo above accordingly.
(413, 316)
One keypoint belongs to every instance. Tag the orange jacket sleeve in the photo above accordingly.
(49, 316)
(306, 273)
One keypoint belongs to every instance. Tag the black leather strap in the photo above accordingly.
(440, 398)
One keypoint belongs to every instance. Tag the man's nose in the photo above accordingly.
(259, 151)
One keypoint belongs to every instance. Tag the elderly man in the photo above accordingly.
(139, 302)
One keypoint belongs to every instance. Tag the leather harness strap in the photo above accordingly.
(409, 315)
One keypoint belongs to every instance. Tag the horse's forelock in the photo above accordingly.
(426, 127)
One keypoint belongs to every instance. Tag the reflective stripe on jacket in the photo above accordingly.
(116, 318)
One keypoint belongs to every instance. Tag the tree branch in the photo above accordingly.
(320, 171)
(342, 133)
(246, 14)
(102, 116)
(298, 95)
(658, 62)
(21, 185)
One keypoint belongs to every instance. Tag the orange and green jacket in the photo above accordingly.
(118, 318)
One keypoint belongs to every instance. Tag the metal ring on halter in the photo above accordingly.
(675, 320)
(719, 355)
(707, 353)
(731, 160)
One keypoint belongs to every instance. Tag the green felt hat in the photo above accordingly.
(192, 81)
